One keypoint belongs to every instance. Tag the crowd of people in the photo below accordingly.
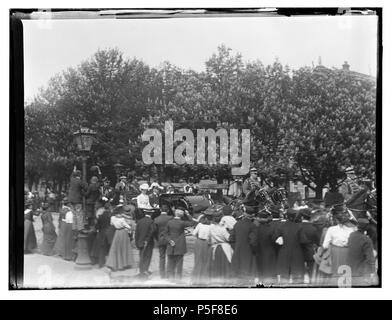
(274, 246)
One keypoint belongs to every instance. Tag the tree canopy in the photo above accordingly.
(309, 124)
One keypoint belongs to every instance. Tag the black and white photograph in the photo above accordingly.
(199, 148)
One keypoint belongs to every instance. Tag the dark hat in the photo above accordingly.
(105, 179)
(65, 200)
(342, 217)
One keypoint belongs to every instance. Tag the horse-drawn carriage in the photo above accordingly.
(194, 204)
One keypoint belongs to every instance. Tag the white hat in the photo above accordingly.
(144, 186)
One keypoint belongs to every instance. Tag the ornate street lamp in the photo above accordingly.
(84, 139)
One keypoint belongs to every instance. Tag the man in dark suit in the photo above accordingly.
(309, 241)
(161, 223)
(175, 237)
(244, 237)
(361, 257)
(290, 261)
(277, 220)
(144, 241)
(92, 197)
(76, 189)
(266, 252)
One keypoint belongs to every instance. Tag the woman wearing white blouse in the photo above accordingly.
(336, 239)
(201, 232)
(120, 254)
(220, 253)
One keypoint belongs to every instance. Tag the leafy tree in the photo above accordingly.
(309, 124)
(331, 125)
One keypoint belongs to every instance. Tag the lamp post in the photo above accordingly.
(84, 139)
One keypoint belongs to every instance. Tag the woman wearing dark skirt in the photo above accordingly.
(66, 240)
(336, 239)
(49, 232)
(101, 244)
(59, 245)
(30, 240)
(220, 254)
(120, 254)
(201, 232)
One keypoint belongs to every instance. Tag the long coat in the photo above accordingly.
(360, 254)
(266, 252)
(290, 258)
(244, 238)
(275, 225)
(93, 193)
(145, 229)
(310, 241)
(175, 230)
(49, 234)
(76, 190)
(161, 222)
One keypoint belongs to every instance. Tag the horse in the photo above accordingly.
(257, 200)
(363, 204)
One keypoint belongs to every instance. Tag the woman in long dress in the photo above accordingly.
(59, 245)
(101, 244)
(220, 253)
(120, 254)
(336, 239)
(201, 233)
(66, 241)
(30, 240)
(49, 232)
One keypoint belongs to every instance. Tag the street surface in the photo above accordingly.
(53, 272)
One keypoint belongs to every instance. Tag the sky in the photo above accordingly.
(52, 46)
